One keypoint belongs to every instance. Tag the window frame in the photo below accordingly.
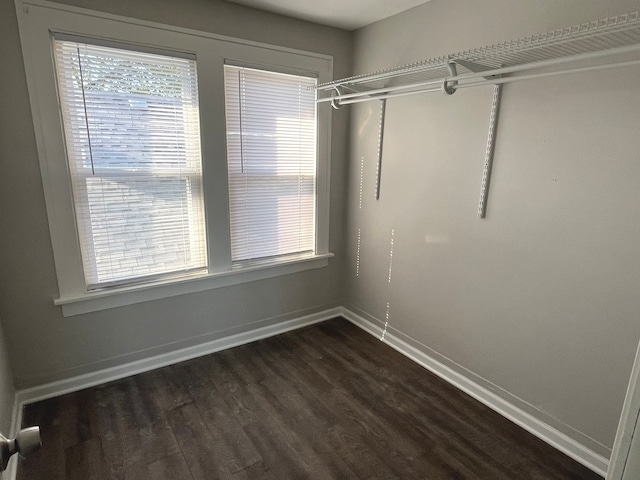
(38, 21)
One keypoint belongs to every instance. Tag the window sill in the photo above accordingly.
(121, 296)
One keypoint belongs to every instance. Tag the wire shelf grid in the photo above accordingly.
(597, 36)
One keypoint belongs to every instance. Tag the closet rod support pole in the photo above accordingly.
(488, 157)
(383, 108)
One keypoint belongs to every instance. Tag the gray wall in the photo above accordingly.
(6, 388)
(45, 346)
(539, 301)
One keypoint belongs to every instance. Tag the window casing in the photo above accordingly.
(39, 25)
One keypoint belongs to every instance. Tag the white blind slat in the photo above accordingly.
(133, 141)
(271, 155)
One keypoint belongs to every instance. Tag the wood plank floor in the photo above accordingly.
(324, 402)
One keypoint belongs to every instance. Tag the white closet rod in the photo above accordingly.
(390, 95)
(386, 92)
(496, 81)
(367, 94)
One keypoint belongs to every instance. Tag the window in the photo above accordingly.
(173, 161)
(133, 146)
(271, 145)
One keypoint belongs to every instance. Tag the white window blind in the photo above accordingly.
(131, 124)
(271, 155)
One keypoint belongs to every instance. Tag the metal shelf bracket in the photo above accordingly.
(335, 103)
(476, 68)
(449, 87)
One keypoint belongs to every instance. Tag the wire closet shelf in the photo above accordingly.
(601, 44)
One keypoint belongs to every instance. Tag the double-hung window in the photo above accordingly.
(271, 145)
(173, 161)
(131, 126)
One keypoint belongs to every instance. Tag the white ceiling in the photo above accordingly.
(346, 14)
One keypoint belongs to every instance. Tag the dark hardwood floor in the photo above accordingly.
(324, 402)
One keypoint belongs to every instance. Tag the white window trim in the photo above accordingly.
(118, 297)
(37, 20)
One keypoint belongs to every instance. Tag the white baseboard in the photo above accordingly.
(73, 384)
(80, 382)
(540, 429)
(569, 446)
